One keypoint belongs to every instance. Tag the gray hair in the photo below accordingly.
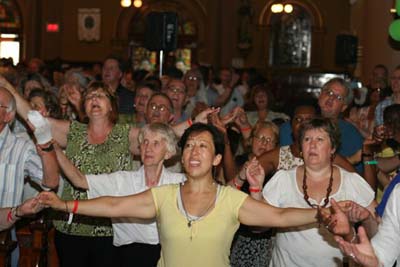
(77, 76)
(165, 131)
(349, 92)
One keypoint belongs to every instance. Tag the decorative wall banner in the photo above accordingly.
(89, 24)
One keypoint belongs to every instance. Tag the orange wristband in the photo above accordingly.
(245, 129)
(254, 189)
(190, 122)
(238, 186)
(75, 208)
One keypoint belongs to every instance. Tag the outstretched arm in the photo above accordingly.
(257, 213)
(202, 117)
(140, 206)
(59, 128)
(8, 216)
(22, 105)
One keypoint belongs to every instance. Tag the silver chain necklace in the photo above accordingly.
(189, 220)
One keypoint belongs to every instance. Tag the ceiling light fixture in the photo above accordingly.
(137, 3)
(276, 8)
(126, 3)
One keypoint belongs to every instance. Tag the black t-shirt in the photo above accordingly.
(125, 100)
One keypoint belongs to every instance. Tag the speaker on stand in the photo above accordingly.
(346, 49)
(161, 33)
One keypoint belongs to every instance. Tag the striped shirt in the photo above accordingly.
(380, 108)
(18, 158)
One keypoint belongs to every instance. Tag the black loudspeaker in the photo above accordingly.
(161, 31)
(346, 49)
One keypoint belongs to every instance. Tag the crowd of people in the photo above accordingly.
(198, 169)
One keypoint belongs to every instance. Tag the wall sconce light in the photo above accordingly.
(126, 3)
(288, 8)
(276, 8)
(137, 3)
(279, 8)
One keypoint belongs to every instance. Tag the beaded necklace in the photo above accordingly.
(328, 190)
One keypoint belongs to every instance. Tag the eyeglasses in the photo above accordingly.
(302, 119)
(176, 90)
(265, 140)
(330, 93)
(161, 108)
(2, 106)
(95, 95)
(193, 78)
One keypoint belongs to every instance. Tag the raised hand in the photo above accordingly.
(363, 252)
(74, 95)
(381, 133)
(203, 116)
(216, 121)
(4, 83)
(255, 174)
(228, 118)
(41, 127)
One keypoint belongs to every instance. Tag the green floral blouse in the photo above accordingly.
(110, 156)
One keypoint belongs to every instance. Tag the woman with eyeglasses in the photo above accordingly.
(196, 90)
(253, 247)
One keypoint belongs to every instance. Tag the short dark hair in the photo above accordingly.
(121, 64)
(381, 66)
(324, 124)
(217, 136)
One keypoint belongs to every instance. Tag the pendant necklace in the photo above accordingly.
(190, 220)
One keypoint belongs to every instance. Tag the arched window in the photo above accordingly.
(10, 28)
(290, 38)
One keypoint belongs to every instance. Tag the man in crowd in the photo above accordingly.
(112, 74)
(19, 158)
(333, 100)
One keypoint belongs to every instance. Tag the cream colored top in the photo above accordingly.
(207, 242)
